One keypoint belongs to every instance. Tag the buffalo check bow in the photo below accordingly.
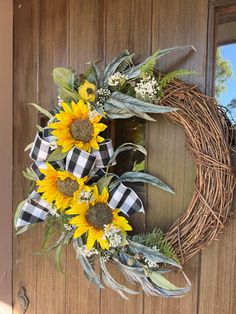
(80, 163)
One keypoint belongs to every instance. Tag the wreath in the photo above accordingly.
(75, 192)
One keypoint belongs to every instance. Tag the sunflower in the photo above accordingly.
(95, 217)
(87, 91)
(59, 186)
(75, 127)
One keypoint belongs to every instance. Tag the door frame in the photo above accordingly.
(6, 127)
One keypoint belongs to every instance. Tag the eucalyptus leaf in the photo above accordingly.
(161, 281)
(114, 65)
(127, 146)
(25, 228)
(39, 127)
(58, 258)
(29, 174)
(88, 269)
(64, 78)
(95, 75)
(116, 113)
(18, 212)
(56, 155)
(123, 101)
(29, 146)
(42, 110)
(131, 176)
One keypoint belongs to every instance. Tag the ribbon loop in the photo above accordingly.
(103, 154)
(41, 148)
(125, 199)
(34, 210)
(79, 162)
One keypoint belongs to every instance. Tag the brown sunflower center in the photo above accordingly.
(90, 90)
(67, 186)
(82, 130)
(99, 215)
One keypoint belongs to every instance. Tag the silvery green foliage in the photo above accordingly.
(133, 176)
(152, 281)
(132, 105)
(88, 269)
(152, 254)
(113, 284)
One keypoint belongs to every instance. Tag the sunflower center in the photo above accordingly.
(67, 186)
(99, 215)
(90, 91)
(82, 130)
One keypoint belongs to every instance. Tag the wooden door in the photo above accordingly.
(49, 33)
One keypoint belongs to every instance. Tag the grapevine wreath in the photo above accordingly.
(75, 191)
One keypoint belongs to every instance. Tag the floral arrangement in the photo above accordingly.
(73, 188)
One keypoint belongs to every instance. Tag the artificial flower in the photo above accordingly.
(76, 127)
(87, 91)
(58, 187)
(95, 218)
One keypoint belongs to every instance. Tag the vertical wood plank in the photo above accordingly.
(6, 131)
(24, 119)
(53, 51)
(128, 26)
(86, 44)
(175, 23)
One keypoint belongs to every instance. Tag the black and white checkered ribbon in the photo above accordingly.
(103, 154)
(121, 196)
(41, 148)
(80, 163)
(125, 199)
(34, 210)
(37, 165)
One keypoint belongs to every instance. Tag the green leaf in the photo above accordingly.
(29, 146)
(39, 127)
(64, 78)
(146, 178)
(111, 68)
(116, 113)
(135, 71)
(67, 95)
(103, 183)
(17, 213)
(57, 155)
(148, 67)
(139, 167)
(42, 110)
(127, 146)
(30, 175)
(123, 101)
(173, 75)
(58, 258)
(25, 228)
(94, 75)
(161, 281)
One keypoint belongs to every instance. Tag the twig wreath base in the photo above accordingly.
(74, 192)
(208, 133)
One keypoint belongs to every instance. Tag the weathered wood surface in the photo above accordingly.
(51, 33)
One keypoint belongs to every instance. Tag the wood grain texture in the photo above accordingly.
(49, 33)
(86, 31)
(174, 25)
(53, 51)
(25, 117)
